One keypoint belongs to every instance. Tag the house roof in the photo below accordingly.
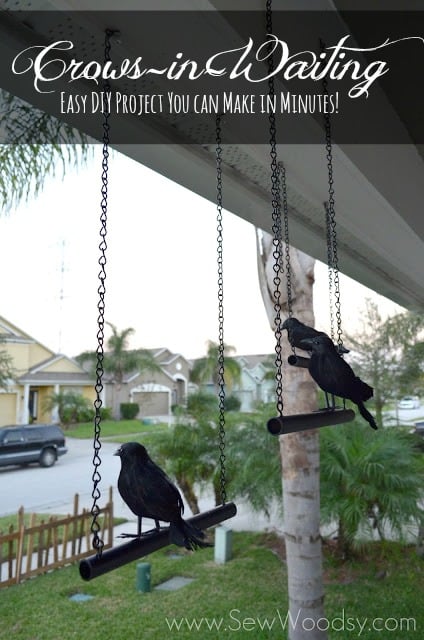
(11, 333)
(252, 360)
(45, 364)
(54, 377)
(166, 356)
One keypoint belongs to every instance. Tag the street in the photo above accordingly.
(52, 490)
(404, 416)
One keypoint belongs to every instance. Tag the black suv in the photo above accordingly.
(22, 444)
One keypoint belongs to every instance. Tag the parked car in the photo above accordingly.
(409, 402)
(22, 444)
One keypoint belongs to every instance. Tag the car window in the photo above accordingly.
(13, 436)
(33, 434)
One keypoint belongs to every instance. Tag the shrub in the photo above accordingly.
(201, 403)
(105, 413)
(129, 410)
(232, 403)
(72, 407)
(369, 481)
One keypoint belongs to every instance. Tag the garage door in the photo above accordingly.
(8, 409)
(152, 403)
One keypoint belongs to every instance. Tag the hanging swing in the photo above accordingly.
(330, 415)
(107, 560)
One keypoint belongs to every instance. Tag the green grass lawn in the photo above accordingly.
(246, 596)
(112, 428)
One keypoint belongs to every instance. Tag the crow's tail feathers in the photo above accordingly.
(184, 534)
(363, 390)
(366, 414)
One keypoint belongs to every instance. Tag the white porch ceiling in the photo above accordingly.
(379, 188)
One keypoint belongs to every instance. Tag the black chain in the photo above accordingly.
(276, 223)
(221, 346)
(330, 214)
(286, 240)
(330, 269)
(98, 543)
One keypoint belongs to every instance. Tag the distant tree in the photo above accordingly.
(118, 360)
(36, 145)
(386, 354)
(7, 371)
(369, 482)
(206, 369)
(406, 330)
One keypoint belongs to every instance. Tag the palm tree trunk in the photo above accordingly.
(116, 413)
(420, 541)
(344, 546)
(301, 501)
(300, 458)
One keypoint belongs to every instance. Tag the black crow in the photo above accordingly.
(149, 493)
(298, 331)
(335, 376)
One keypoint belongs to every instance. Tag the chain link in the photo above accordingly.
(286, 239)
(330, 270)
(98, 543)
(221, 346)
(276, 223)
(330, 216)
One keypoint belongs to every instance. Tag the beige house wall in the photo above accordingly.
(7, 408)
(43, 393)
(62, 365)
(24, 354)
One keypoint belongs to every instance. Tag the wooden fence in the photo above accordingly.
(27, 551)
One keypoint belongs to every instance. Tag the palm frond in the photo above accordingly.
(34, 146)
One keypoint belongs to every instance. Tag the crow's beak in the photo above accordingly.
(284, 325)
(117, 452)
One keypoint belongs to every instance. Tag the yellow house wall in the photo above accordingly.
(89, 393)
(25, 355)
(38, 353)
(19, 353)
(7, 409)
(43, 393)
(62, 366)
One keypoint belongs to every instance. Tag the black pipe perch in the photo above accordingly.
(298, 361)
(149, 493)
(116, 557)
(304, 421)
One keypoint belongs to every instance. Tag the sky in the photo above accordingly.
(161, 267)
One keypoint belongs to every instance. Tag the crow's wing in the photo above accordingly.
(149, 492)
(332, 373)
(335, 376)
(160, 495)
